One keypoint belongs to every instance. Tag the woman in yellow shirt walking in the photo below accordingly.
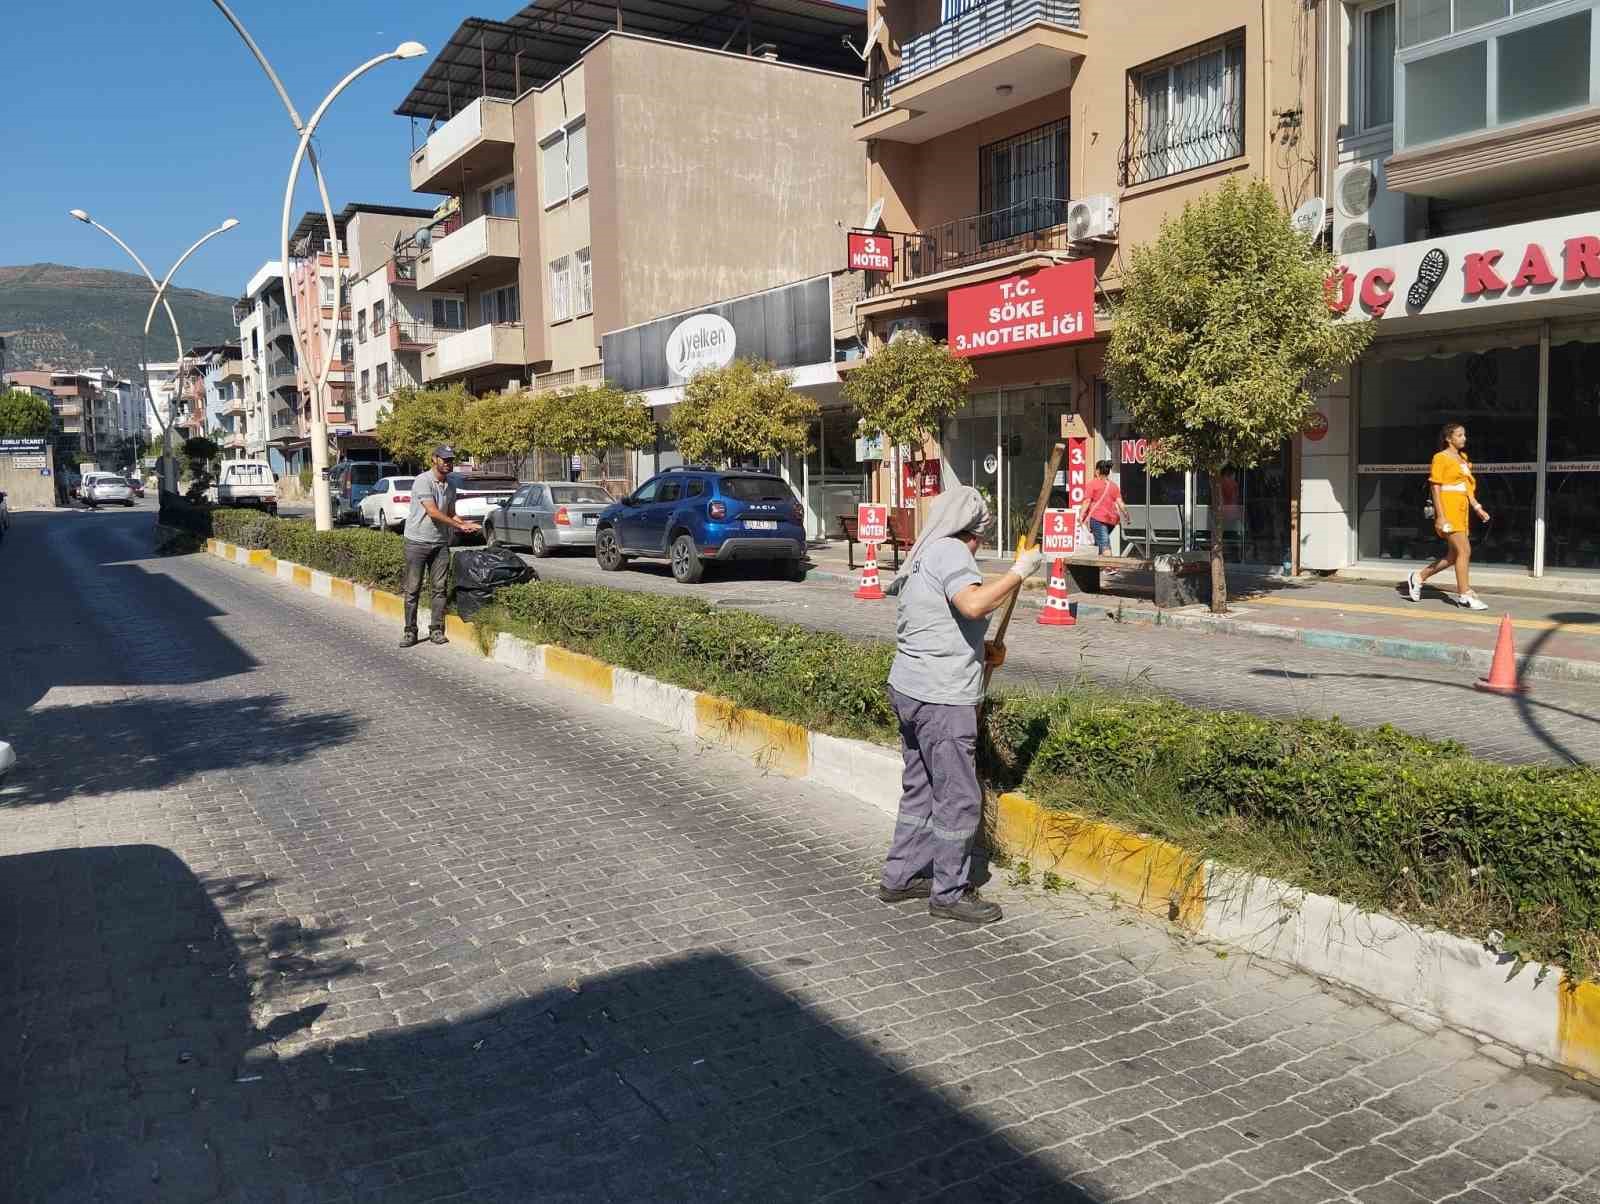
(1455, 492)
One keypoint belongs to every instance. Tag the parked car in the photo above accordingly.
(135, 484)
(98, 487)
(246, 484)
(694, 515)
(478, 496)
(547, 515)
(350, 481)
(387, 504)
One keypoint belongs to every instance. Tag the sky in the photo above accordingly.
(153, 116)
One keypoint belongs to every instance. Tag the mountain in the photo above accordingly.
(65, 317)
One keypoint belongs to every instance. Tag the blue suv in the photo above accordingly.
(694, 515)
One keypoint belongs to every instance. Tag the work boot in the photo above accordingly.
(970, 908)
(917, 888)
(409, 639)
(437, 636)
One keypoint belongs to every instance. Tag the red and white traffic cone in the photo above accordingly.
(870, 590)
(1057, 610)
(1502, 677)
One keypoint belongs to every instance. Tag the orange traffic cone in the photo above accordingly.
(1502, 677)
(870, 590)
(1057, 610)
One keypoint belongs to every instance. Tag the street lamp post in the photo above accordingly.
(322, 503)
(169, 476)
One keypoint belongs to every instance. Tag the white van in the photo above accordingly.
(247, 483)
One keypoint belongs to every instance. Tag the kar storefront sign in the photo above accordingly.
(1487, 269)
(1040, 309)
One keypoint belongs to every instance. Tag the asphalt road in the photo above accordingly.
(290, 914)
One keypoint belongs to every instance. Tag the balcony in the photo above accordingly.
(415, 336)
(281, 374)
(473, 350)
(955, 248)
(235, 406)
(987, 60)
(234, 441)
(470, 149)
(275, 324)
(402, 268)
(484, 251)
(1508, 106)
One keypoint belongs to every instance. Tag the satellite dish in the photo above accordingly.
(874, 215)
(1309, 217)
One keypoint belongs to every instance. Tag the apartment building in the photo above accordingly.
(268, 361)
(222, 373)
(1016, 149)
(607, 169)
(85, 422)
(395, 322)
(162, 377)
(1466, 214)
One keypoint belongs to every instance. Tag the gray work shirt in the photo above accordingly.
(939, 653)
(420, 526)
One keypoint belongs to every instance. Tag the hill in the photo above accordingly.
(70, 317)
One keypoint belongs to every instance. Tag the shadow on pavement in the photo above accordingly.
(143, 1066)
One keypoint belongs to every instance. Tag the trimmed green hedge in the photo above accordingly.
(371, 557)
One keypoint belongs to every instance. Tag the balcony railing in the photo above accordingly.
(1033, 225)
(418, 334)
(976, 26)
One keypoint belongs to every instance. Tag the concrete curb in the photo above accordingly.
(1422, 976)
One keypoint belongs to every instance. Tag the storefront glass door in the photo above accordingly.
(1572, 482)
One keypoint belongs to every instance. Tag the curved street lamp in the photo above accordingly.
(168, 471)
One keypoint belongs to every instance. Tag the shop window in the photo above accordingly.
(1186, 112)
(1023, 182)
(1572, 482)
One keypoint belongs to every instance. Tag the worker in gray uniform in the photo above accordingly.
(936, 686)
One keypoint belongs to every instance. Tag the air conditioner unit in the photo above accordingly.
(1093, 217)
(901, 327)
(1365, 213)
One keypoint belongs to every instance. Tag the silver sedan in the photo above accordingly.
(547, 515)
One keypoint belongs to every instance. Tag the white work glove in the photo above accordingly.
(1028, 562)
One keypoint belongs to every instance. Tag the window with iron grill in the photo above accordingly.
(1186, 112)
(1023, 182)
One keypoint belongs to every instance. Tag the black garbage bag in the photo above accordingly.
(480, 572)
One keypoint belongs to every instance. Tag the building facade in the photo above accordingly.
(270, 374)
(1467, 221)
(589, 189)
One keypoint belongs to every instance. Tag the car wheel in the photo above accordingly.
(491, 537)
(607, 552)
(540, 548)
(687, 567)
(128, 503)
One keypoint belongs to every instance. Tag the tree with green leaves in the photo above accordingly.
(590, 420)
(906, 390)
(500, 424)
(1222, 336)
(742, 413)
(417, 420)
(24, 415)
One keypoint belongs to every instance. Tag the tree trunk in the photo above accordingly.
(1219, 566)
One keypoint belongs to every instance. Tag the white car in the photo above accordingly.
(98, 487)
(387, 505)
(479, 496)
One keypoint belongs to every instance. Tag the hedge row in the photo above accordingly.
(1383, 817)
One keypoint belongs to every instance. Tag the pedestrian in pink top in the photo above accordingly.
(1102, 506)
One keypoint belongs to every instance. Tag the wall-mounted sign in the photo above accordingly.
(1044, 308)
(869, 252)
(991, 463)
(16, 446)
(872, 523)
(869, 447)
(924, 484)
(1317, 426)
(27, 462)
(1135, 450)
(701, 342)
(1077, 470)
(1532, 261)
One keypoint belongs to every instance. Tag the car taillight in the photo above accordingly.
(797, 514)
(402, 497)
(717, 510)
(563, 519)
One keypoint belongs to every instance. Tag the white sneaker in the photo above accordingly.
(1413, 587)
(1470, 601)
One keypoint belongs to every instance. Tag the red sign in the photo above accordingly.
(927, 485)
(1317, 426)
(1135, 450)
(1059, 534)
(872, 523)
(869, 252)
(1054, 305)
(1077, 471)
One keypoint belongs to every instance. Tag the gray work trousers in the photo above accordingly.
(430, 560)
(941, 804)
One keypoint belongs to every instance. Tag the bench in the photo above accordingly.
(1178, 582)
(900, 534)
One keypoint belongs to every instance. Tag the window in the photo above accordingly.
(585, 283)
(697, 487)
(361, 326)
(578, 156)
(1187, 112)
(564, 162)
(560, 289)
(363, 391)
(326, 285)
(382, 380)
(553, 167)
(1023, 182)
(500, 305)
(671, 491)
(1374, 58)
(449, 313)
(647, 492)
(377, 317)
(500, 200)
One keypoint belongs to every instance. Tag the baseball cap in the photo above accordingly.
(445, 452)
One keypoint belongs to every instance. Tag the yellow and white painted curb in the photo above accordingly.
(1425, 977)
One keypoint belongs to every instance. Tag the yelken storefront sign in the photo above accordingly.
(703, 341)
(1040, 309)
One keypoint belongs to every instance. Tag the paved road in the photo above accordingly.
(289, 914)
(1556, 722)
